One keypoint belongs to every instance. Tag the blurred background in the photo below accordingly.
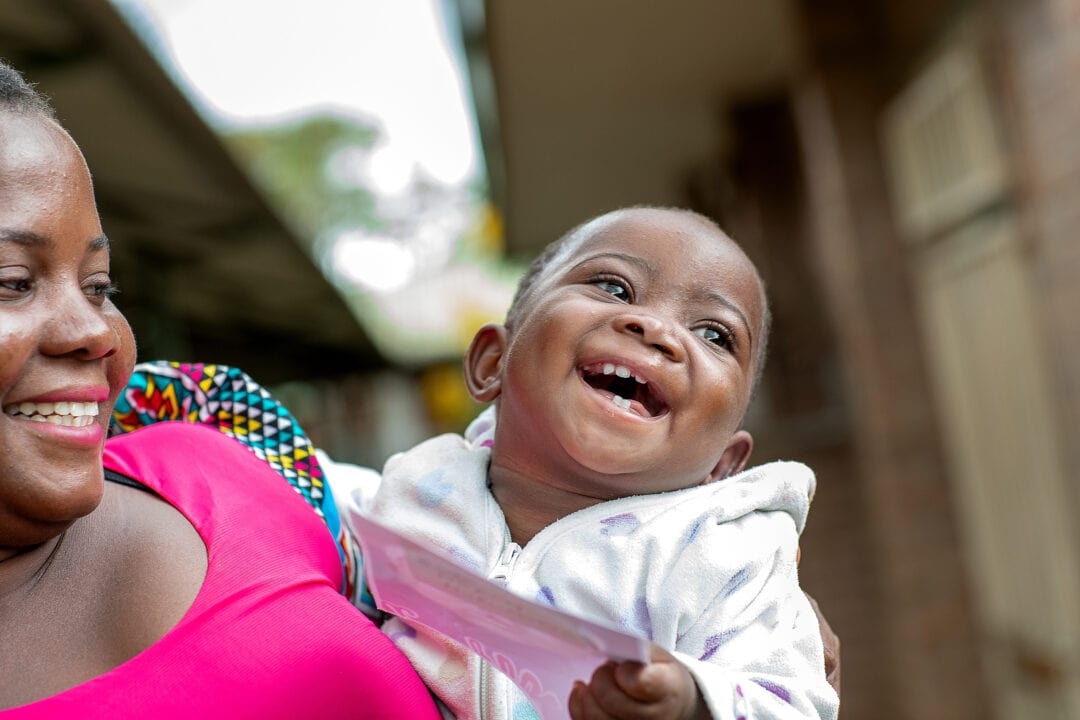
(334, 195)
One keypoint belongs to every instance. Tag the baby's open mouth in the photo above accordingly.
(628, 391)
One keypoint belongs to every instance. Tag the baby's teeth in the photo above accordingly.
(641, 381)
(608, 368)
(624, 403)
(622, 372)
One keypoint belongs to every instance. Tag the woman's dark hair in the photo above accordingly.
(19, 96)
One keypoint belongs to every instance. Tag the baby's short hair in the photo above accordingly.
(542, 261)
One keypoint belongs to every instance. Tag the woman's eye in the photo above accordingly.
(13, 287)
(717, 336)
(616, 290)
(102, 291)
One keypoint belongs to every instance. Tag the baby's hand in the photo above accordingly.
(662, 689)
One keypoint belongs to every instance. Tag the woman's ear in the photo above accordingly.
(483, 362)
(735, 457)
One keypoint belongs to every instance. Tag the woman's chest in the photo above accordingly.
(119, 581)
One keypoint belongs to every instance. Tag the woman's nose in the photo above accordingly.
(80, 329)
(652, 331)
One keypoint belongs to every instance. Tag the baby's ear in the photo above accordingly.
(735, 457)
(483, 362)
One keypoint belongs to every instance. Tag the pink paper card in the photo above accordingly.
(542, 649)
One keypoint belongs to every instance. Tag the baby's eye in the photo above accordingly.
(614, 288)
(717, 336)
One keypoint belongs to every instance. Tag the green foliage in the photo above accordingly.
(292, 164)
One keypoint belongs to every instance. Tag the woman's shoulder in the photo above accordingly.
(238, 504)
(157, 564)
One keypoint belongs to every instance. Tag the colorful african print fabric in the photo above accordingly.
(228, 399)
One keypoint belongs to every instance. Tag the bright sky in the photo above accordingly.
(254, 61)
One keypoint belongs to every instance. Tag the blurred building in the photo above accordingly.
(907, 174)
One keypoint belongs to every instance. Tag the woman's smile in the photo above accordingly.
(64, 421)
(66, 413)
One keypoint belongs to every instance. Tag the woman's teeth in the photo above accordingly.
(71, 414)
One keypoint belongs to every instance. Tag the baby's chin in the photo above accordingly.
(607, 474)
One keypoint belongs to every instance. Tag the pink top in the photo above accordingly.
(268, 635)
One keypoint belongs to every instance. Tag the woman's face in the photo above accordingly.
(65, 350)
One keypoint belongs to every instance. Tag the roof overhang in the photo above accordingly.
(207, 270)
(589, 106)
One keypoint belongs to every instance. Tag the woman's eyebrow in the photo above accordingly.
(29, 238)
(26, 238)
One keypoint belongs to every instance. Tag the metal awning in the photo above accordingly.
(206, 269)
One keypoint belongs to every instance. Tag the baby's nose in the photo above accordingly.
(652, 331)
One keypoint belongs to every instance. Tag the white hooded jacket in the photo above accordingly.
(707, 572)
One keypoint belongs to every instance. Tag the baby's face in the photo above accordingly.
(632, 364)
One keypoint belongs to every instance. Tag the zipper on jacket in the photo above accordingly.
(505, 565)
(501, 575)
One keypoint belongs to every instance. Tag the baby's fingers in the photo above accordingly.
(632, 691)
(653, 682)
(662, 689)
(584, 705)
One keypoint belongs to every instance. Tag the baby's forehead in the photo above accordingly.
(671, 236)
(688, 246)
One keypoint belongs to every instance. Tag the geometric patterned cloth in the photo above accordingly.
(228, 399)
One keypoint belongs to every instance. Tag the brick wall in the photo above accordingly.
(1037, 67)
(847, 390)
(902, 489)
